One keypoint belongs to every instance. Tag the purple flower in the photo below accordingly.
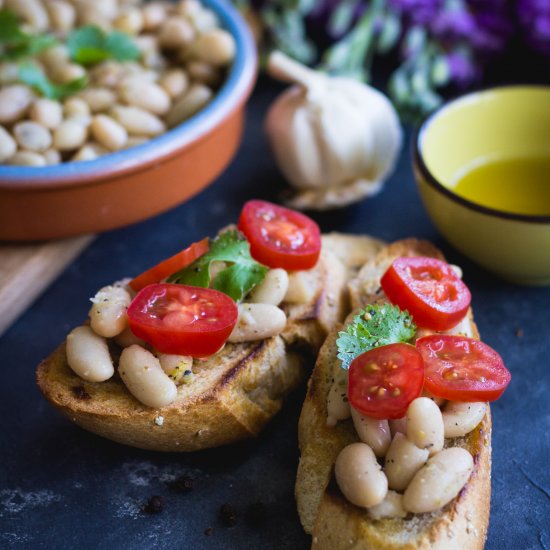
(462, 70)
(534, 19)
(418, 12)
(453, 25)
(494, 25)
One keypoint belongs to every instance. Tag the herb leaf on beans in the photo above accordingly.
(90, 44)
(240, 276)
(32, 76)
(16, 43)
(374, 326)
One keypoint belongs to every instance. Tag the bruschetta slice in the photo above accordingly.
(231, 394)
(337, 500)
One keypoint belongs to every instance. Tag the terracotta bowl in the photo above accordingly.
(131, 185)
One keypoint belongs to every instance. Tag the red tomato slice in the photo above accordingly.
(280, 237)
(462, 369)
(429, 290)
(182, 319)
(382, 382)
(171, 265)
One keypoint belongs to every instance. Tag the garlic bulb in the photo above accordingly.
(335, 139)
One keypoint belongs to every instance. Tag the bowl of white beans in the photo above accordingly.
(112, 111)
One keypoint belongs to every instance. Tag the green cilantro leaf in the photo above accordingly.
(237, 279)
(90, 44)
(33, 76)
(15, 43)
(376, 325)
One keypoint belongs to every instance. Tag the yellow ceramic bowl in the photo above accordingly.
(508, 122)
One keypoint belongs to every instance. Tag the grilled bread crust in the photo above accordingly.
(325, 513)
(233, 394)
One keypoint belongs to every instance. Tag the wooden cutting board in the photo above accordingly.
(26, 270)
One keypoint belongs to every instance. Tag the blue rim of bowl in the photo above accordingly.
(438, 186)
(237, 84)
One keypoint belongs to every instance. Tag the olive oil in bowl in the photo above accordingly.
(516, 185)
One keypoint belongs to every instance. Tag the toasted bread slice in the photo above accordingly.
(233, 394)
(325, 513)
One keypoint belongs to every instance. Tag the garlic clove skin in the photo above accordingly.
(335, 139)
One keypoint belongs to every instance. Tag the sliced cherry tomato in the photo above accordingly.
(280, 237)
(171, 265)
(429, 290)
(182, 319)
(462, 369)
(384, 381)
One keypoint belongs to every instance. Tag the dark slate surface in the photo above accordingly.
(61, 487)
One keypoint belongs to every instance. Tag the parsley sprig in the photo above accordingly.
(240, 276)
(34, 77)
(15, 43)
(376, 325)
(90, 44)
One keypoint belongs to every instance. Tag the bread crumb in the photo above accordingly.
(159, 420)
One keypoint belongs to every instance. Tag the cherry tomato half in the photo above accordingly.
(429, 290)
(184, 320)
(170, 265)
(384, 381)
(280, 237)
(462, 369)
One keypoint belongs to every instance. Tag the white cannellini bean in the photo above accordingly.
(32, 136)
(63, 74)
(108, 132)
(62, 14)
(9, 73)
(70, 134)
(425, 425)
(272, 289)
(216, 47)
(88, 355)
(359, 475)
(403, 460)
(8, 147)
(90, 151)
(457, 269)
(127, 338)
(175, 32)
(47, 112)
(175, 366)
(390, 507)
(154, 15)
(75, 106)
(257, 322)
(27, 158)
(146, 95)
(98, 99)
(464, 328)
(14, 102)
(338, 407)
(460, 419)
(52, 157)
(130, 21)
(190, 103)
(439, 481)
(302, 286)
(174, 82)
(204, 73)
(142, 374)
(375, 433)
(108, 311)
(54, 56)
(439, 401)
(398, 425)
(32, 11)
(138, 121)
